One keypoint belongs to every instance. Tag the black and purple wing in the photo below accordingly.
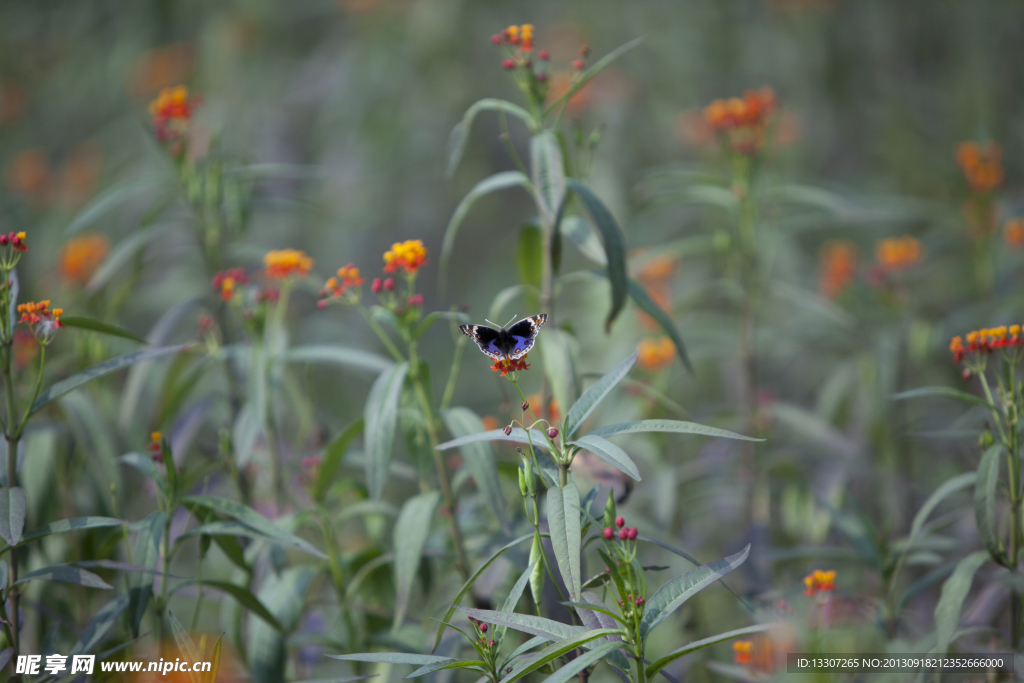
(523, 334)
(486, 338)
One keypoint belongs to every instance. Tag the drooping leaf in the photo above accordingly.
(609, 452)
(518, 435)
(985, 509)
(527, 623)
(478, 456)
(593, 396)
(338, 355)
(547, 171)
(67, 573)
(12, 513)
(460, 133)
(563, 509)
(101, 327)
(673, 594)
(649, 306)
(332, 457)
(658, 664)
(410, 535)
(99, 625)
(954, 591)
(71, 383)
(669, 426)
(552, 652)
(381, 419)
(253, 520)
(941, 392)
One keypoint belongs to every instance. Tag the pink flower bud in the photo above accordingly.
(552, 433)
(578, 64)
(389, 284)
(496, 39)
(508, 64)
(322, 304)
(3, 240)
(607, 570)
(483, 628)
(543, 54)
(632, 534)
(639, 602)
(542, 77)
(608, 534)
(623, 534)
(620, 521)
(415, 300)
(508, 430)
(377, 285)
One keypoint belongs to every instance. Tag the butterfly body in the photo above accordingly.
(510, 344)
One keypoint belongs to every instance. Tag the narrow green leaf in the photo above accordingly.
(12, 513)
(332, 457)
(478, 456)
(211, 676)
(529, 256)
(253, 520)
(527, 623)
(680, 589)
(184, 641)
(645, 303)
(593, 396)
(696, 563)
(598, 66)
(563, 509)
(66, 573)
(536, 641)
(410, 535)
(940, 392)
(498, 181)
(547, 171)
(244, 598)
(146, 554)
(338, 355)
(101, 327)
(580, 233)
(64, 386)
(448, 664)
(436, 316)
(381, 419)
(513, 597)
(99, 625)
(658, 664)
(985, 500)
(284, 595)
(556, 650)
(518, 435)
(609, 452)
(559, 365)
(391, 658)
(954, 591)
(110, 198)
(669, 426)
(72, 524)
(581, 662)
(460, 133)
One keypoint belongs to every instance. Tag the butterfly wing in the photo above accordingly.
(486, 338)
(523, 334)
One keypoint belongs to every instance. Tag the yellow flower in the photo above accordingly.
(898, 253)
(820, 581)
(410, 255)
(285, 263)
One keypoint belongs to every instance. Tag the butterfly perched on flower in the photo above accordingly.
(510, 344)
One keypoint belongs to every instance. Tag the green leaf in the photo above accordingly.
(559, 367)
(580, 233)
(658, 664)
(448, 664)
(338, 355)
(57, 390)
(590, 399)
(100, 624)
(563, 509)
(941, 392)
(381, 419)
(614, 244)
(478, 456)
(124, 252)
(332, 457)
(253, 520)
(457, 316)
(244, 598)
(66, 573)
(469, 584)
(581, 662)
(552, 652)
(284, 595)
(498, 181)
(954, 591)
(547, 171)
(391, 658)
(71, 524)
(460, 133)
(609, 452)
(246, 431)
(513, 597)
(410, 535)
(985, 502)
(594, 70)
(529, 255)
(146, 554)
(12, 513)
(524, 648)
(649, 306)
(669, 426)
(110, 198)
(101, 327)
(184, 641)
(692, 560)
(518, 435)
(680, 589)
(527, 623)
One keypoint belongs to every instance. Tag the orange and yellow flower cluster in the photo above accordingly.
(838, 267)
(507, 366)
(171, 112)
(285, 263)
(410, 255)
(898, 253)
(35, 312)
(348, 276)
(656, 353)
(228, 281)
(986, 341)
(742, 122)
(743, 650)
(519, 36)
(982, 165)
(16, 241)
(820, 581)
(81, 256)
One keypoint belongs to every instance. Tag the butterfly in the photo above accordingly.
(510, 344)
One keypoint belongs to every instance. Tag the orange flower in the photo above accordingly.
(742, 122)
(154, 441)
(898, 253)
(285, 263)
(333, 289)
(982, 166)
(743, 649)
(986, 340)
(228, 281)
(490, 422)
(81, 256)
(171, 112)
(1013, 233)
(820, 581)
(410, 255)
(656, 277)
(656, 353)
(507, 366)
(29, 175)
(838, 266)
(554, 413)
(43, 320)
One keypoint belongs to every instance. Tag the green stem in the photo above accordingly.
(12, 478)
(379, 331)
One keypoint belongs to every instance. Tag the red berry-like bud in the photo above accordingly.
(623, 534)
(415, 300)
(578, 64)
(543, 54)
(483, 628)
(389, 284)
(508, 64)
(526, 406)
(496, 39)
(639, 601)
(542, 77)
(552, 433)
(377, 285)
(608, 534)
(3, 240)
(322, 304)
(620, 521)
(508, 430)
(632, 534)
(607, 570)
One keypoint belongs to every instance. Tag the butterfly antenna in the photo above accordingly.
(513, 318)
(488, 321)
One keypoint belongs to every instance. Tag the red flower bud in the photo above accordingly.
(322, 304)
(623, 534)
(526, 406)
(543, 54)
(639, 601)
(415, 300)
(377, 285)
(483, 628)
(3, 240)
(578, 64)
(552, 433)
(389, 284)
(607, 570)
(608, 534)
(542, 77)
(508, 64)
(496, 39)
(632, 534)
(508, 430)
(620, 521)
